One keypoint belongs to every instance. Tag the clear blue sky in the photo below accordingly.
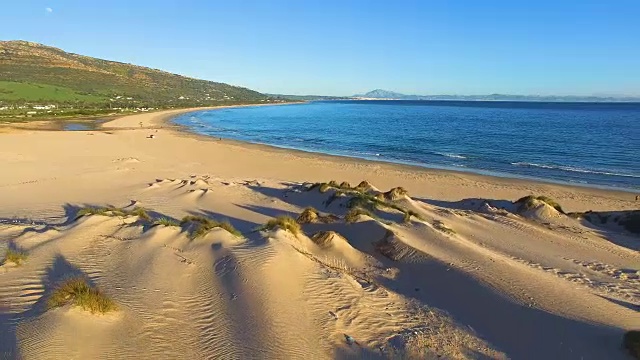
(344, 47)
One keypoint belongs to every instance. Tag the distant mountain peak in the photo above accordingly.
(381, 94)
(391, 95)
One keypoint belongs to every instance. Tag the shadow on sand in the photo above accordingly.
(59, 271)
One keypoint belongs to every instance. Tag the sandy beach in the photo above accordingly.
(453, 268)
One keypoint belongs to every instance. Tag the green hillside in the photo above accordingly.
(31, 72)
(16, 91)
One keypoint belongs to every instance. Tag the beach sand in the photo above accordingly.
(469, 275)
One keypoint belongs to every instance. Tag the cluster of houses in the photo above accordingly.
(25, 107)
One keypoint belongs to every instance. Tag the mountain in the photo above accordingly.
(390, 95)
(381, 94)
(34, 72)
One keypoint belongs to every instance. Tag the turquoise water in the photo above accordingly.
(593, 144)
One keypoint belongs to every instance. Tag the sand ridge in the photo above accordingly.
(461, 277)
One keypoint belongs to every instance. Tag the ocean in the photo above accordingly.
(591, 144)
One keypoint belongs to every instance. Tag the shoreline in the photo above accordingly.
(167, 119)
(122, 206)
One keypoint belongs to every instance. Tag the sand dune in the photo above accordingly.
(452, 268)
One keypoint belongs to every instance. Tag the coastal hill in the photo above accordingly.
(380, 94)
(32, 72)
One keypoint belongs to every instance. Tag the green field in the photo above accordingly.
(17, 91)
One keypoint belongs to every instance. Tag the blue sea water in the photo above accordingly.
(594, 144)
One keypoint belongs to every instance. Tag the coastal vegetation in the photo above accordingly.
(42, 81)
(353, 214)
(283, 222)
(113, 211)
(529, 202)
(15, 256)
(311, 215)
(628, 220)
(166, 222)
(78, 292)
(202, 225)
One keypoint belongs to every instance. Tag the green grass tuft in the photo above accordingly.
(15, 256)
(283, 222)
(78, 292)
(227, 226)
(166, 222)
(203, 225)
(113, 211)
(353, 214)
(141, 213)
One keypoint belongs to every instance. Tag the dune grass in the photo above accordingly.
(79, 293)
(333, 184)
(113, 211)
(15, 256)
(283, 222)
(371, 203)
(353, 214)
(406, 217)
(631, 222)
(528, 203)
(166, 222)
(345, 185)
(439, 225)
(631, 342)
(323, 238)
(203, 225)
(309, 215)
(395, 193)
(363, 186)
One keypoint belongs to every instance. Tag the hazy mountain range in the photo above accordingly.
(390, 95)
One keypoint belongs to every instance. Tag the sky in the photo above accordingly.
(546, 47)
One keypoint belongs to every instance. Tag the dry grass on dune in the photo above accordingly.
(311, 215)
(325, 186)
(439, 225)
(629, 220)
(203, 225)
(113, 211)
(323, 238)
(78, 292)
(371, 203)
(15, 256)
(166, 222)
(283, 222)
(364, 186)
(529, 202)
(353, 215)
(396, 193)
(408, 214)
